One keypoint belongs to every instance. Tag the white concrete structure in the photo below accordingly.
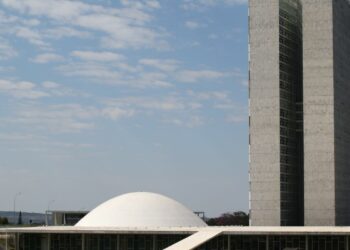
(141, 209)
(147, 221)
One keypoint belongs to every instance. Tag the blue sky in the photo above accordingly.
(99, 98)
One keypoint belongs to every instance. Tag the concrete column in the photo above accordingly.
(347, 242)
(118, 242)
(49, 241)
(82, 241)
(228, 242)
(306, 242)
(267, 242)
(154, 242)
(98, 241)
(17, 241)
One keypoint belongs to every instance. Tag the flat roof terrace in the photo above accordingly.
(175, 238)
(238, 230)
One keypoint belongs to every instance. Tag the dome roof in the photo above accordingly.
(141, 210)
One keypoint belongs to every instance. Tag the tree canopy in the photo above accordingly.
(4, 221)
(230, 219)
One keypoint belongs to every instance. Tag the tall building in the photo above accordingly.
(299, 81)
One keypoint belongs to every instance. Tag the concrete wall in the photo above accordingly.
(264, 113)
(341, 41)
(318, 86)
(326, 101)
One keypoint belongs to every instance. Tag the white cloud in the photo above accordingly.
(192, 25)
(221, 100)
(50, 85)
(97, 56)
(235, 2)
(6, 50)
(31, 29)
(190, 122)
(197, 4)
(236, 118)
(129, 36)
(120, 28)
(92, 71)
(65, 118)
(194, 44)
(147, 103)
(116, 113)
(145, 4)
(230, 106)
(31, 22)
(47, 58)
(245, 83)
(116, 73)
(17, 137)
(30, 94)
(32, 91)
(5, 18)
(125, 67)
(58, 118)
(22, 89)
(164, 65)
(59, 90)
(210, 95)
(7, 68)
(202, 4)
(153, 4)
(32, 37)
(61, 32)
(63, 10)
(213, 36)
(151, 79)
(197, 75)
(112, 69)
(172, 109)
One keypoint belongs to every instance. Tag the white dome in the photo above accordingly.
(141, 210)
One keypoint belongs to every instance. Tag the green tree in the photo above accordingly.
(230, 219)
(4, 221)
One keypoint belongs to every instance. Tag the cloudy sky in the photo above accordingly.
(103, 97)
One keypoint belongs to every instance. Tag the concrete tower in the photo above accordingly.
(299, 112)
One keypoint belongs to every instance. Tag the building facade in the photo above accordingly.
(220, 238)
(299, 81)
(148, 221)
(64, 218)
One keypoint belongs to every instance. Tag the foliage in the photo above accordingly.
(4, 221)
(230, 219)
